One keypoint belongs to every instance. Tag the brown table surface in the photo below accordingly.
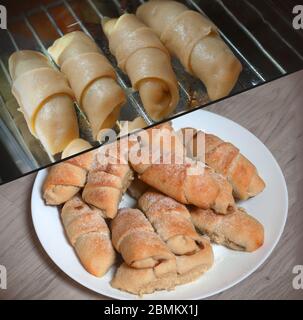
(273, 112)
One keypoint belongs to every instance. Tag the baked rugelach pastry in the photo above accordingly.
(137, 188)
(45, 99)
(88, 233)
(142, 56)
(147, 280)
(195, 40)
(66, 179)
(148, 263)
(108, 179)
(172, 221)
(237, 230)
(91, 77)
(165, 168)
(227, 160)
(135, 239)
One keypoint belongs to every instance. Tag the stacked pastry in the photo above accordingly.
(102, 176)
(237, 230)
(148, 265)
(142, 56)
(66, 179)
(158, 242)
(227, 160)
(195, 40)
(91, 77)
(45, 99)
(109, 178)
(172, 221)
(170, 171)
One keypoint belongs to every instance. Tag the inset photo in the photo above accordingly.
(151, 150)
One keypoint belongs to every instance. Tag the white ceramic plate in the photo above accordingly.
(230, 267)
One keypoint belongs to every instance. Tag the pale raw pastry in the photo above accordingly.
(108, 179)
(45, 99)
(149, 264)
(238, 230)
(91, 77)
(172, 221)
(127, 127)
(88, 233)
(142, 56)
(178, 176)
(76, 146)
(227, 160)
(65, 179)
(196, 42)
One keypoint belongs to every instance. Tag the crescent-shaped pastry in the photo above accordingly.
(195, 40)
(91, 77)
(142, 56)
(45, 99)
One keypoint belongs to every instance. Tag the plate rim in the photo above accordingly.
(203, 296)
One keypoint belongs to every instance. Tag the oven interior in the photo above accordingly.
(260, 33)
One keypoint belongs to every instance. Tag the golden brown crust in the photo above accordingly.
(89, 235)
(238, 230)
(95, 252)
(134, 237)
(172, 222)
(191, 266)
(227, 160)
(181, 178)
(65, 179)
(107, 181)
(137, 188)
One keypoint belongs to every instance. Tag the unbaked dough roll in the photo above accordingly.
(91, 77)
(127, 127)
(142, 56)
(45, 99)
(75, 147)
(196, 42)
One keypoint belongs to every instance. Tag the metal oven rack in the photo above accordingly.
(38, 27)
